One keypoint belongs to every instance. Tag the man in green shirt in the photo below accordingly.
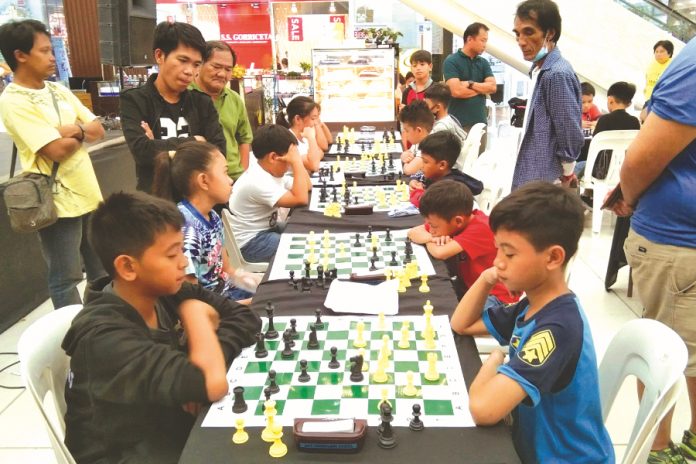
(470, 79)
(212, 79)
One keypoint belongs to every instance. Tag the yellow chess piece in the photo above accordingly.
(341, 250)
(278, 448)
(424, 284)
(409, 389)
(380, 321)
(386, 349)
(429, 337)
(359, 341)
(431, 374)
(402, 281)
(404, 342)
(366, 365)
(240, 436)
(388, 274)
(270, 413)
(384, 398)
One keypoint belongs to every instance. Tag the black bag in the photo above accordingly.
(29, 199)
(519, 106)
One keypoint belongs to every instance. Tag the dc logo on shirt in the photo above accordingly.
(538, 348)
(168, 129)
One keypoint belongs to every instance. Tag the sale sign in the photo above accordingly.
(295, 29)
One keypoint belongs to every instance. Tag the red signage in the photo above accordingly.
(338, 19)
(295, 29)
(249, 35)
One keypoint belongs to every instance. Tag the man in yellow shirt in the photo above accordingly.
(49, 125)
(663, 50)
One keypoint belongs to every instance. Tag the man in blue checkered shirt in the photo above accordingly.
(552, 133)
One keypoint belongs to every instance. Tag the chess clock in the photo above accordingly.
(329, 435)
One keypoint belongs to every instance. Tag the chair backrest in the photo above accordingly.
(617, 141)
(233, 250)
(44, 367)
(657, 356)
(472, 145)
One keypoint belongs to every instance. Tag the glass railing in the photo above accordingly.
(663, 16)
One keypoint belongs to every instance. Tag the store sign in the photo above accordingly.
(295, 29)
(246, 38)
(338, 19)
(249, 35)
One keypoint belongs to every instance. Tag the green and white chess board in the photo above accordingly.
(361, 195)
(339, 252)
(330, 393)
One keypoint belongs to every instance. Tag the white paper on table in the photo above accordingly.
(354, 297)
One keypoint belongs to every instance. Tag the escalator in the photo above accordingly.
(678, 17)
(604, 41)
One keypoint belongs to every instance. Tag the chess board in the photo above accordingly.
(324, 174)
(293, 249)
(358, 148)
(361, 195)
(330, 393)
(354, 165)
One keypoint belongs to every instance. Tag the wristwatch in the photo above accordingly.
(471, 84)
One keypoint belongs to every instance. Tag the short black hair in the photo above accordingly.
(408, 75)
(441, 146)
(544, 213)
(19, 35)
(421, 56)
(439, 92)
(666, 44)
(272, 138)
(417, 114)
(447, 199)
(622, 92)
(127, 223)
(168, 36)
(544, 12)
(587, 89)
(473, 29)
(218, 45)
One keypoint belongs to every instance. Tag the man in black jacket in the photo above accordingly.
(148, 348)
(162, 113)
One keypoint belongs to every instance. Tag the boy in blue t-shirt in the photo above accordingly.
(550, 383)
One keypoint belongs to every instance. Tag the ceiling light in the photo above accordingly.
(293, 8)
(332, 8)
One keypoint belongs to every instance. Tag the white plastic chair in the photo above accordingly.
(657, 356)
(44, 368)
(617, 141)
(233, 250)
(472, 145)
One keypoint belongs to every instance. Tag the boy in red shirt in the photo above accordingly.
(453, 229)
(590, 112)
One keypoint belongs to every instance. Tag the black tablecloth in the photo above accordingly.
(467, 444)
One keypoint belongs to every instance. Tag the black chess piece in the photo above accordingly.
(239, 405)
(383, 169)
(393, 261)
(387, 439)
(320, 276)
(346, 148)
(323, 194)
(306, 285)
(304, 376)
(346, 197)
(318, 323)
(271, 332)
(356, 374)
(416, 424)
(374, 253)
(288, 332)
(357, 241)
(334, 364)
(260, 351)
(372, 264)
(369, 232)
(373, 167)
(287, 352)
(291, 282)
(331, 174)
(334, 194)
(388, 237)
(272, 385)
(293, 329)
(267, 393)
(391, 161)
(355, 200)
(307, 269)
(313, 342)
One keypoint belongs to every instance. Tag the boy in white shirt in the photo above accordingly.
(438, 97)
(262, 189)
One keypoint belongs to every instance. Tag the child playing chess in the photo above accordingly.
(301, 117)
(438, 97)
(262, 189)
(550, 382)
(453, 229)
(416, 123)
(195, 175)
(439, 153)
(148, 348)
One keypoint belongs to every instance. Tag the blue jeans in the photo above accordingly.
(263, 246)
(61, 245)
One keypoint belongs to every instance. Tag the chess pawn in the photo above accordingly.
(431, 373)
(402, 281)
(416, 424)
(365, 366)
(410, 389)
(359, 341)
(424, 284)
(267, 432)
(404, 343)
(386, 341)
(240, 436)
(381, 324)
(380, 374)
(278, 448)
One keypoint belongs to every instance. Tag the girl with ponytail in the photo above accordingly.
(301, 116)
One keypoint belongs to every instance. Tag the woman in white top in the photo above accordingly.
(301, 116)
